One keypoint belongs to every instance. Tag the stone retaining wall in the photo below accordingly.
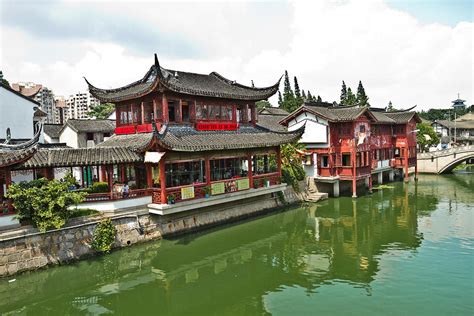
(26, 249)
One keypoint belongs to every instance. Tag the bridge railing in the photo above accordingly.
(446, 152)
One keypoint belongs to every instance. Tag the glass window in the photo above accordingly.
(148, 108)
(262, 164)
(346, 160)
(185, 111)
(171, 111)
(185, 173)
(223, 169)
(324, 161)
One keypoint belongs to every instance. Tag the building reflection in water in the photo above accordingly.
(235, 267)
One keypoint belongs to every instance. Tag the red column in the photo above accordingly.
(102, 173)
(149, 176)
(143, 112)
(208, 170)
(8, 178)
(249, 159)
(278, 158)
(110, 178)
(165, 109)
(416, 169)
(354, 170)
(179, 117)
(122, 174)
(163, 181)
(254, 114)
(406, 163)
(155, 109)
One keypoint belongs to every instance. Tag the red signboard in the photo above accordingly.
(216, 126)
(121, 130)
(144, 128)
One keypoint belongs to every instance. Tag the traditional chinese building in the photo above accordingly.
(179, 136)
(349, 144)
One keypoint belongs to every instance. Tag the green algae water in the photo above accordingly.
(407, 249)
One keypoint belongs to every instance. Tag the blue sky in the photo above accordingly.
(407, 52)
(448, 12)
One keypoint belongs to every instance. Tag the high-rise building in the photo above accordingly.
(79, 104)
(40, 94)
(61, 112)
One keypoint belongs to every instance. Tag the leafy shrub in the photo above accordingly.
(44, 202)
(98, 187)
(104, 236)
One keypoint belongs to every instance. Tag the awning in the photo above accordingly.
(154, 156)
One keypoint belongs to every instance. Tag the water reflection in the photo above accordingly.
(229, 270)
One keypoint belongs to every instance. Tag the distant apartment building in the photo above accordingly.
(40, 94)
(61, 112)
(79, 104)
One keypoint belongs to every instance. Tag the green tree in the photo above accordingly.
(390, 107)
(350, 98)
(303, 95)
(263, 104)
(44, 202)
(292, 164)
(310, 97)
(319, 99)
(362, 98)
(102, 111)
(3, 81)
(297, 88)
(343, 94)
(280, 100)
(104, 236)
(426, 136)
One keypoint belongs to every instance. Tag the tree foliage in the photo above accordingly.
(423, 141)
(444, 114)
(292, 164)
(44, 202)
(351, 98)
(102, 111)
(291, 99)
(362, 98)
(104, 236)
(263, 104)
(343, 93)
(390, 107)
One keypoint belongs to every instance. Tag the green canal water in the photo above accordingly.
(404, 250)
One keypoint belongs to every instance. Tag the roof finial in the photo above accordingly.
(175, 74)
(157, 64)
(1, 75)
(253, 86)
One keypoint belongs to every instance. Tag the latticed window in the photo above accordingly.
(262, 164)
(185, 173)
(223, 169)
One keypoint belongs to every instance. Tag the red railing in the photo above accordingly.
(230, 186)
(216, 126)
(94, 197)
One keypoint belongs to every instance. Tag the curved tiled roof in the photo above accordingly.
(71, 157)
(11, 157)
(403, 117)
(91, 126)
(136, 142)
(188, 139)
(211, 85)
(53, 130)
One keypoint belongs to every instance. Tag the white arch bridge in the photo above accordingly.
(445, 160)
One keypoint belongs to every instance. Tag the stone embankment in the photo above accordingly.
(26, 249)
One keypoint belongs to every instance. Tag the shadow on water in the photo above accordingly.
(229, 270)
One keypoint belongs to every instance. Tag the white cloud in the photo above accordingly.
(396, 57)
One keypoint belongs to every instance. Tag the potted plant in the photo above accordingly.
(266, 182)
(171, 198)
(207, 191)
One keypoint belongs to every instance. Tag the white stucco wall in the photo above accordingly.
(69, 137)
(16, 113)
(316, 130)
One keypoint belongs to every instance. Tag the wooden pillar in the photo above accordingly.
(234, 113)
(132, 108)
(163, 181)
(179, 117)
(155, 109)
(8, 178)
(103, 173)
(249, 159)
(416, 169)
(354, 170)
(208, 170)
(143, 112)
(164, 103)
(122, 173)
(149, 176)
(110, 179)
(253, 113)
(406, 163)
(82, 176)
